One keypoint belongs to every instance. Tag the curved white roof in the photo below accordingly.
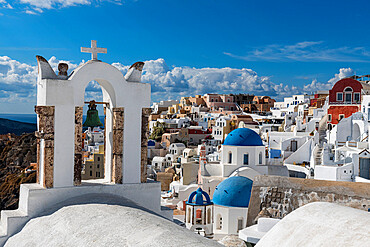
(320, 224)
(105, 225)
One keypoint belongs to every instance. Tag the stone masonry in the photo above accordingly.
(117, 159)
(144, 142)
(281, 195)
(78, 145)
(46, 133)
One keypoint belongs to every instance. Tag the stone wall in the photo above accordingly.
(46, 133)
(282, 195)
(117, 159)
(78, 145)
(144, 142)
(165, 179)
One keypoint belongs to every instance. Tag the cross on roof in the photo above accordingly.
(94, 50)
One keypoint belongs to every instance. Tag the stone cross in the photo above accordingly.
(94, 50)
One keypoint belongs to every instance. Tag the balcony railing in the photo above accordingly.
(345, 103)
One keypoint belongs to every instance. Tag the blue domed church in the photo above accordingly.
(242, 147)
(231, 201)
(199, 212)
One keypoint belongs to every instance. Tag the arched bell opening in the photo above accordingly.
(94, 135)
(93, 128)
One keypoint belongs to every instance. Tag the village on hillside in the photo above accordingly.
(202, 148)
(207, 170)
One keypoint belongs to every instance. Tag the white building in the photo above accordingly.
(176, 149)
(231, 201)
(281, 109)
(94, 136)
(218, 131)
(163, 104)
(160, 163)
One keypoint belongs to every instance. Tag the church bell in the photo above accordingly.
(92, 119)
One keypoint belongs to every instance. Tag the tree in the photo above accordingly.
(157, 132)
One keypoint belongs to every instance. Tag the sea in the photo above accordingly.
(31, 118)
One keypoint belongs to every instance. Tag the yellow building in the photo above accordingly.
(94, 167)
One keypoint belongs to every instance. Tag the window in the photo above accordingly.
(356, 97)
(339, 96)
(90, 173)
(98, 158)
(341, 116)
(189, 215)
(329, 117)
(348, 98)
(198, 216)
(209, 216)
(348, 89)
(245, 159)
(219, 222)
(230, 158)
(240, 223)
(260, 158)
(97, 166)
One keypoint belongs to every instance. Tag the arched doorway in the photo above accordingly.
(356, 132)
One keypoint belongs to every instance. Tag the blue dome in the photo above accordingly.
(151, 143)
(233, 192)
(198, 198)
(243, 137)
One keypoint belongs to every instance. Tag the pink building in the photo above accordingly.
(217, 102)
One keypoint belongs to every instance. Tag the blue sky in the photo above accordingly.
(287, 44)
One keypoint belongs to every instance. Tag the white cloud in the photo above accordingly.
(18, 81)
(307, 51)
(30, 12)
(49, 4)
(40, 5)
(35, 7)
(6, 5)
(172, 83)
(315, 85)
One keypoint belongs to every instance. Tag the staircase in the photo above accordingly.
(322, 139)
(318, 155)
(322, 129)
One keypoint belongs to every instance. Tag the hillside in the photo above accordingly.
(16, 154)
(15, 127)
